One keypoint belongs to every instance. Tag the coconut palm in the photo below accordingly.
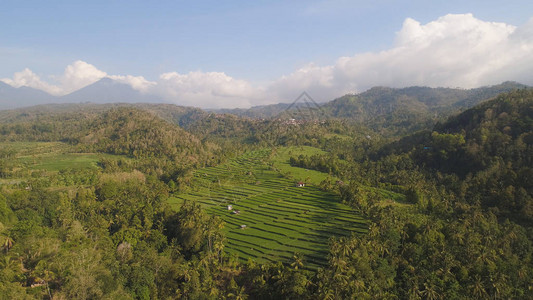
(297, 261)
(478, 288)
(7, 243)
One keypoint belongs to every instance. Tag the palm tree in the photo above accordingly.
(360, 285)
(430, 291)
(327, 294)
(338, 262)
(8, 263)
(8, 243)
(238, 294)
(346, 250)
(297, 261)
(478, 290)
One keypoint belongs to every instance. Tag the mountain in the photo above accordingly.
(255, 112)
(11, 97)
(384, 100)
(107, 90)
(404, 110)
(390, 111)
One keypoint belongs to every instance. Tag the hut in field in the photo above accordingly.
(300, 184)
(243, 226)
(230, 207)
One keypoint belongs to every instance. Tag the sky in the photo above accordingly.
(244, 53)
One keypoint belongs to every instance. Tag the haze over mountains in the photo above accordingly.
(384, 100)
(106, 90)
(11, 97)
(378, 100)
(387, 111)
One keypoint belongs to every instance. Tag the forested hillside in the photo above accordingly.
(468, 221)
(390, 111)
(486, 146)
(402, 111)
(152, 201)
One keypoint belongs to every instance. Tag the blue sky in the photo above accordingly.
(254, 45)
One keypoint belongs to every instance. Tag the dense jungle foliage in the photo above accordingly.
(98, 225)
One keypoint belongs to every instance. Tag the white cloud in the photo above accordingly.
(452, 51)
(311, 78)
(27, 78)
(205, 89)
(78, 75)
(136, 82)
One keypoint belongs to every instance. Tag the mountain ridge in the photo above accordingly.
(107, 90)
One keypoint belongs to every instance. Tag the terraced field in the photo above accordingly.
(49, 156)
(280, 218)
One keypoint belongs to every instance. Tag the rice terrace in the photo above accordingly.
(268, 216)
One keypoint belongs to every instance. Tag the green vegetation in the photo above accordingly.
(49, 156)
(281, 162)
(280, 218)
(131, 202)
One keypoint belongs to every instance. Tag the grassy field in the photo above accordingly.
(281, 158)
(280, 218)
(49, 156)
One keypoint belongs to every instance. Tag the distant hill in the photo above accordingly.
(179, 115)
(255, 112)
(404, 110)
(137, 133)
(135, 130)
(107, 90)
(384, 100)
(183, 116)
(11, 97)
(303, 107)
(390, 111)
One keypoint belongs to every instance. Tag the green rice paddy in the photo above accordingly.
(49, 156)
(279, 217)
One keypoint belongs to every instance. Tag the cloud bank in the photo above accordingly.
(211, 89)
(453, 51)
(27, 78)
(77, 75)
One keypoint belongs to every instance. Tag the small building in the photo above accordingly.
(243, 226)
(236, 212)
(300, 184)
(230, 207)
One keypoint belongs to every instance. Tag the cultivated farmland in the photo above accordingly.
(279, 218)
